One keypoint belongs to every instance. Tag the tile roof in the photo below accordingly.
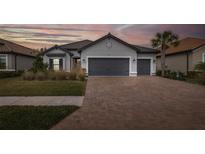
(186, 44)
(145, 49)
(76, 45)
(7, 47)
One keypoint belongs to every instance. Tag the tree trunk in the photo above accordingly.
(163, 62)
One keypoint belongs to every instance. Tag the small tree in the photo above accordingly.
(38, 65)
(162, 41)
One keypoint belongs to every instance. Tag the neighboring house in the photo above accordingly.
(185, 56)
(14, 57)
(107, 56)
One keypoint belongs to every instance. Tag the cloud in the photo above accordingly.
(50, 40)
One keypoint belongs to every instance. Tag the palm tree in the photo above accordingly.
(163, 41)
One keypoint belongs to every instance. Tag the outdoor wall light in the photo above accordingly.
(134, 60)
(84, 60)
(154, 61)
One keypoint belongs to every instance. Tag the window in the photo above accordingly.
(203, 57)
(3, 61)
(56, 64)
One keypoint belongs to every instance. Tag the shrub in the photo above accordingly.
(51, 75)
(201, 78)
(192, 74)
(200, 67)
(38, 65)
(29, 76)
(159, 73)
(61, 75)
(81, 76)
(180, 76)
(7, 74)
(40, 76)
(72, 75)
(172, 74)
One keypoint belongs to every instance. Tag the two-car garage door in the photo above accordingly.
(116, 66)
(108, 66)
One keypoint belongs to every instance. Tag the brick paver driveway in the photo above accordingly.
(139, 103)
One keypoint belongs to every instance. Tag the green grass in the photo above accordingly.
(19, 87)
(32, 117)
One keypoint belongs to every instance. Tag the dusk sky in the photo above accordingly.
(38, 35)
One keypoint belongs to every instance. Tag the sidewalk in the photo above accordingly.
(42, 100)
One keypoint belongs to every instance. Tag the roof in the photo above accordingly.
(186, 44)
(145, 49)
(76, 45)
(137, 48)
(71, 48)
(57, 47)
(81, 45)
(10, 47)
(109, 35)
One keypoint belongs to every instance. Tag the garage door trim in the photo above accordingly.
(151, 63)
(126, 57)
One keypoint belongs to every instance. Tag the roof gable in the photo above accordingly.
(55, 47)
(109, 35)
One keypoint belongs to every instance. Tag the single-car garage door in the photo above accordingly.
(108, 66)
(143, 66)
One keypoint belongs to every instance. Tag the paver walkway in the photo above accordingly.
(139, 103)
(42, 100)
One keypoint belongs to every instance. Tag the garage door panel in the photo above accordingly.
(143, 66)
(108, 66)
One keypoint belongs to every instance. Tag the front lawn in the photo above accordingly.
(32, 117)
(19, 87)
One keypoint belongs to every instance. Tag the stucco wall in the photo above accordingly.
(66, 59)
(23, 62)
(116, 50)
(197, 56)
(176, 62)
(152, 57)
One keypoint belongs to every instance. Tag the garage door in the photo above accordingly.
(143, 66)
(108, 66)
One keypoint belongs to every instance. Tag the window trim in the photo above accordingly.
(6, 57)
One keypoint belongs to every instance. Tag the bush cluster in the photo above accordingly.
(52, 75)
(172, 74)
(7, 74)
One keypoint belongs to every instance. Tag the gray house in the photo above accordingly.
(107, 56)
(14, 57)
(185, 56)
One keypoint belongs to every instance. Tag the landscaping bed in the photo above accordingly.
(32, 118)
(19, 87)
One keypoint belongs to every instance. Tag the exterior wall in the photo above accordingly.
(116, 50)
(177, 62)
(23, 62)
(152, 58)
(11, 61)
(197, 56)
(66, 59)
